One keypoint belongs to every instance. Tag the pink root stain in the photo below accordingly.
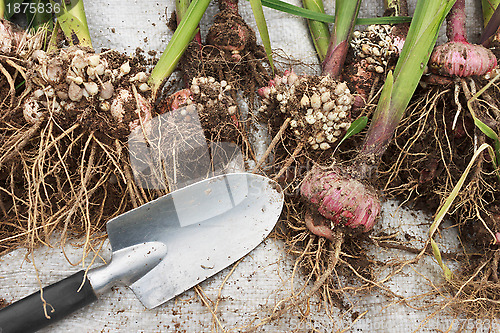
(178, 99)
(288, 77)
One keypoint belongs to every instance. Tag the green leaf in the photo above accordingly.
(490, 134)
(180, 40)
(312, 15)
(318, 30)
(356, 127)
(258, 14)
(52, 42)
(491, 24)
(486, 130)
(454, 193)
(437, 254)
(422, 35)
(39, 14)
(73, 22)
(489, 7)
(20, 84)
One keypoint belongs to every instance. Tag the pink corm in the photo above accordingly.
(339, 200)
(458, 57)
(462, 59)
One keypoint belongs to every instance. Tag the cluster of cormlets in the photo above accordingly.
(208, 92)
(319, 107)
(375, 45)
(62, 81)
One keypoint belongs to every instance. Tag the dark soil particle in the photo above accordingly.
(172, 21)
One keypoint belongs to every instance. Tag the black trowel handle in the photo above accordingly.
(63, 298)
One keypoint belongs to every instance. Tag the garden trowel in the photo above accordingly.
(164, 247)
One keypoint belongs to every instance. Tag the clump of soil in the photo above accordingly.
(3, 303)
(376, 45)
(219, 113)
(63, 150)
(230, 54)
(217, 110)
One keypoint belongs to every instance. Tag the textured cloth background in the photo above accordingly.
(263, 278)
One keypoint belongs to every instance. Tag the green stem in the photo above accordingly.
(319, 31)
(2, 9)
(181, 7)
(178, 44)
(399, 88)
(346, 12)
(73, 22)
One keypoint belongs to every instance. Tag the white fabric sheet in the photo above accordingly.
(263, 278)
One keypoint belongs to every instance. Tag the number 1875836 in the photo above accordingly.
(32, 8)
